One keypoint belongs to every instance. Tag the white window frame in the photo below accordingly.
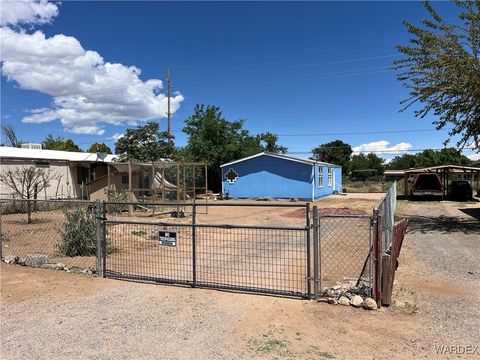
(330, 176)
(320, 177)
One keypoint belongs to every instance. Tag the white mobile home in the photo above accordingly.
(72, 170)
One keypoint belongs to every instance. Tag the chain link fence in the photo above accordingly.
(37, 233)
(385, 209)
(125, 240)
(345, 243)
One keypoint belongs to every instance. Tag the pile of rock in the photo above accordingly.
(41, 261)
(350, 294)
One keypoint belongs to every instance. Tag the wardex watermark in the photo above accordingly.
(457, 349)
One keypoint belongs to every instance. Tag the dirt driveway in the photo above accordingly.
(57, 315)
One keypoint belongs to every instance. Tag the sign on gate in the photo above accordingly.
(167, 238)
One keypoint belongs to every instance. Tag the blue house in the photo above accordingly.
(281, 177)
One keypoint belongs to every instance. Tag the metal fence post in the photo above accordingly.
(104, 237)
(316, 254)
(377, 256)
(194, 254)
(309, 275)
(98, 224)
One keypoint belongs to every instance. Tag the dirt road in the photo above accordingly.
(56, 315)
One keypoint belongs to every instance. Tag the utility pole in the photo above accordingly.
(169, 114)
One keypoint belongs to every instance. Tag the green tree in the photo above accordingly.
(429, 157)
(402, 162)
(215, 140)
(367, 165)
(145, 143)
(335, 152)
(59, 143)
(99, 148)
(268, 141)
(441, 68)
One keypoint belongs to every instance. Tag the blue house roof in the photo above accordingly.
(281, 156)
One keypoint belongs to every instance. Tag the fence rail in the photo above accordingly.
(301, 258)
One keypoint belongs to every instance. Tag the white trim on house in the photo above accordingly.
(285, 157)
(41, 154)
(320, 177)
(330, 175)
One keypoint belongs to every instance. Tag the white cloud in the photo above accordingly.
(382, 147)
(26, 12)
(87, 91)
(115, 137)
(474, 157)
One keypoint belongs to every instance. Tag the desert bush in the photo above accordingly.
(117, 196)
(78, 234)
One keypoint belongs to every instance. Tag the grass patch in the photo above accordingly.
(270, 345)
(139, 233)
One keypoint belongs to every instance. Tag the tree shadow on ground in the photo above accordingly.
(443, 224)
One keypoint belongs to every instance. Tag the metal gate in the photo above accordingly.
(261, 259)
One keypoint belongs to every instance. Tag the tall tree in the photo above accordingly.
(441, 68)
(10, 136)
(59, 143)
(99, 148)
(215, 140)
(335, 152)
(429, 157)
(367, 165)
(268, 141)
(145, 143)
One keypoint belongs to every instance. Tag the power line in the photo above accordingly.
(362, 133)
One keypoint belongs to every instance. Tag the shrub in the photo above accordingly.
(78, 235)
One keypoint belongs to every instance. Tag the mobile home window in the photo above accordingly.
(330, 176)
(320, 177)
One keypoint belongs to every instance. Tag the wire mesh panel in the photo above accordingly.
(345, 243)
(53, 231)
(134, 251)
(254, 259)
(266, 259)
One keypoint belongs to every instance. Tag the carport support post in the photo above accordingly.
(316, 255)
(98, 225)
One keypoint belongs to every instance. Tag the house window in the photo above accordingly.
(320, 177)
(124, 179)
(330, 176)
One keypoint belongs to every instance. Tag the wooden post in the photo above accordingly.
(194, 183)
(178, 190)
(387, 279)
(206, 189)
(130, 194)
(108, 182)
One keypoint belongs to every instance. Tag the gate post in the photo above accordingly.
(377, 256)
(194, 254)
(98, 226)
(309, 275)
(316, 254)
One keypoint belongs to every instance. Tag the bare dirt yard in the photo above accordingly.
(48, 314)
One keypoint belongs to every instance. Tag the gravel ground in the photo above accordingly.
(47, 314)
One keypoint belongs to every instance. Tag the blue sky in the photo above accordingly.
(288, 68)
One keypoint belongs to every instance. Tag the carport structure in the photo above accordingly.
(446, 172)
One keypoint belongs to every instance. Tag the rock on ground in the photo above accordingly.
(369, 304)
(356, 301)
